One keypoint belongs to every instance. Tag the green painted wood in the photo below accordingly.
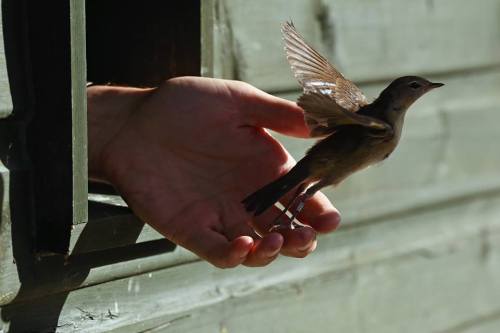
(79, 110)
(222, 50)
(448, 145)
(440, 161)
(424, 272)
(5, 97)
(419, 247)
(247, 39)
(208, 30)
(487, 324)
(367, 40)
(9, 283)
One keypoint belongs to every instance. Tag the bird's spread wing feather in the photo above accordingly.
(323, 115)
(318, 76)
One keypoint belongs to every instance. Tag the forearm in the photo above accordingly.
(108, 108)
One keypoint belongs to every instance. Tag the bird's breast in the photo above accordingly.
(339, 156)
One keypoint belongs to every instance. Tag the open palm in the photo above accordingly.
(191, 150)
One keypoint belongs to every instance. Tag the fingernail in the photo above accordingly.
(307, 234)
(306, 247)
(273, 254)
(314, 245)
(328, 222)
(275, 248)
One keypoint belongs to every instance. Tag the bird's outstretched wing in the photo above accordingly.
(319, 78)
(323, 115)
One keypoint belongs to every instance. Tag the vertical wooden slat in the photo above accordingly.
(79, 110)
(207, 13)
(5, 97)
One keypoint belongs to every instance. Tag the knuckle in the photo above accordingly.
(241, 84)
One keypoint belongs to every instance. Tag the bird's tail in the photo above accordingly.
(268, 195)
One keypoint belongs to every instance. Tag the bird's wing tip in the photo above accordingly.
(288, 24)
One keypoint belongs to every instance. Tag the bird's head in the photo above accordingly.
(404, 91)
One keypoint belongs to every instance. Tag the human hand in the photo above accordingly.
(184, 155)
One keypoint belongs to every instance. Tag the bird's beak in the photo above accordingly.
(435, 85)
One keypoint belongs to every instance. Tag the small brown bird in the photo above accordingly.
(355, 133)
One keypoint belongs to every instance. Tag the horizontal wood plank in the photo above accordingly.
(448, 146)
(367, 40)
(489, 323)
(419, 247)
(448, 155)
(414, 273)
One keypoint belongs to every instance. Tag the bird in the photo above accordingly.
(353, 133)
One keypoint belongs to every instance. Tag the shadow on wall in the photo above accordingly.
(46, 281)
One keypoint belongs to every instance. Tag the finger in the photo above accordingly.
(261, 109)
(265, 221)
(318, 212)
(299, 242)
(217, 249)
(239, 227)
(265, 250)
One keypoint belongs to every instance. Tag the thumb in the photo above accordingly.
(261, 109)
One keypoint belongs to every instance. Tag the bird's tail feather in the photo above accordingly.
(268, 195)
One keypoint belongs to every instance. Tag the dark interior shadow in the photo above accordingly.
(131, 44)
(48, 280)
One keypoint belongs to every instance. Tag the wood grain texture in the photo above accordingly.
(422, 272)
(5, 97)
(208, 29)
(419, 247)
(448, 149)
(9, 283)
(367, 40)
(79, 110)
(440, 161)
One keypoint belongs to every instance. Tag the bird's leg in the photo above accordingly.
(302, 198)
(302, 201)
(288, 224)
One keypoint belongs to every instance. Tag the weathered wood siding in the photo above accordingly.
(5, 98)
(419, 249)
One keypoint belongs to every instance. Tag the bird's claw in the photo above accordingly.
(289, 224)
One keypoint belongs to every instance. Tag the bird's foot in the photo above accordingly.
(290, 223)
(287, 225)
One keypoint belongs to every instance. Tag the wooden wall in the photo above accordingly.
(419, 247)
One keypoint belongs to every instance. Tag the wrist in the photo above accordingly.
(108, 110)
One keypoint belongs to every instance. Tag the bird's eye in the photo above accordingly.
(414, 85)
